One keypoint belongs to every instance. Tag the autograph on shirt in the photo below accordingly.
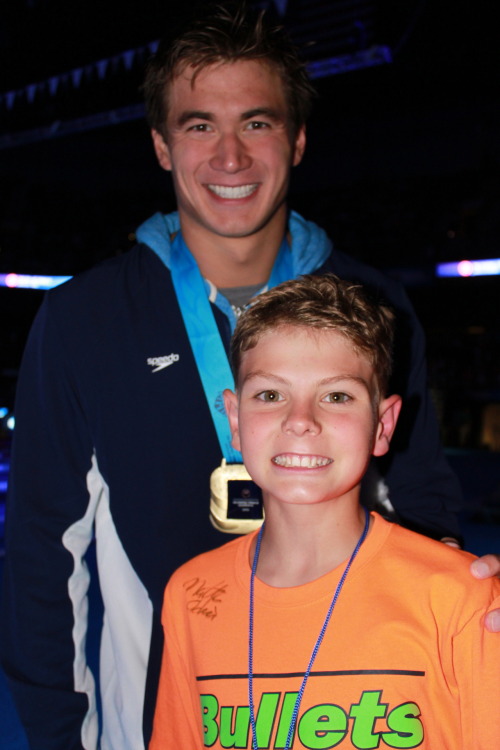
(203, 597)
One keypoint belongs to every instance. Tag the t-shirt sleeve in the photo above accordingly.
(177, 721)
(476, 657)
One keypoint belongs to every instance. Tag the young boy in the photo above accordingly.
(307, 634)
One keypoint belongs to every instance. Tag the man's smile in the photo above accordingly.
(239, 191)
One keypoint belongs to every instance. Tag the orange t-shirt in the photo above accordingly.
(405, 661)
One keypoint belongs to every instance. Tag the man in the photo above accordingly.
(124, 358)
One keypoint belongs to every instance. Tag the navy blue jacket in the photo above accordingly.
(114, 439)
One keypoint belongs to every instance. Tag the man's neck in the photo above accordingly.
(303, 543)
(235, 261)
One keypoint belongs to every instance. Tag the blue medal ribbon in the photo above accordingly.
(204, 337)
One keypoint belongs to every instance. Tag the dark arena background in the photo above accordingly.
(402, 169)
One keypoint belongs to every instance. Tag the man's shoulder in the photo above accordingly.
(102, 294)
(117, 295)
(355, 270)
(125, 271)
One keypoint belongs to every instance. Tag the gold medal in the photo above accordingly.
(235, 500)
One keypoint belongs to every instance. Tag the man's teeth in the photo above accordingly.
(241, 191)
(307, 462)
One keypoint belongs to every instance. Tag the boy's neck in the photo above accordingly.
(303, 543)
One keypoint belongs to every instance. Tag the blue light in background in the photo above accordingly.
(376, 55)
(26, 281)
(467, 268)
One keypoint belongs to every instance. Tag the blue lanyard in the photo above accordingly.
(204, 337)
(317, 645)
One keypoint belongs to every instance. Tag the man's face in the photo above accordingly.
(229, 148)
(304, 417)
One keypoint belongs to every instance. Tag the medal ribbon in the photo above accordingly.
(204, 337)
(319, 640)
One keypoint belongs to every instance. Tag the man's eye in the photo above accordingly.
(337, 398)
(269, 396)
(201, 127)
(257, 125)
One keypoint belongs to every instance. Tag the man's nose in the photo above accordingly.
(230, 154)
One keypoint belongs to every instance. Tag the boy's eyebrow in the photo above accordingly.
(263, 374)
(346, 376)
(324, 381)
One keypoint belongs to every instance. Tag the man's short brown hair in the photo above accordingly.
(226, 32)
(322, 303)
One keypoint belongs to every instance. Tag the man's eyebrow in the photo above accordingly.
(193, 114)
(270, 112)
(197, 114)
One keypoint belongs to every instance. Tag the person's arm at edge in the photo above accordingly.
(47, 493)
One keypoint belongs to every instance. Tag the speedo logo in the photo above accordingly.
(159, 363)
(319, 727)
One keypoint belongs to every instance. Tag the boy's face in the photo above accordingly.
(305, 416)
(229, 147)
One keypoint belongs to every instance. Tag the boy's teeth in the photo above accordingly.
(307, 462)
(241, 191)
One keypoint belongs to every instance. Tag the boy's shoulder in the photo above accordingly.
(222, 560)
(416, 544)
(432, 564)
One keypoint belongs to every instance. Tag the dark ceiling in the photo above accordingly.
(77, 171)
(402, 165)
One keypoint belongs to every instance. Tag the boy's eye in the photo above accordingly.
(337, 398)
(269, 396)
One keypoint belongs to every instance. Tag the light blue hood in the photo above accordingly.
(310, 244)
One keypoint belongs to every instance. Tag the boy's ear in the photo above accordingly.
(161, 150)
(388, 413)
(231, 406)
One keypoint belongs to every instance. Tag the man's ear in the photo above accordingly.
(388, 413)
(231, 406)
(161, 150)
(299, 146)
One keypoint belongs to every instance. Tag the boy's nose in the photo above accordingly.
(301, 420)
(230, 154)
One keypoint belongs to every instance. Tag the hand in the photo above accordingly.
(486, 567)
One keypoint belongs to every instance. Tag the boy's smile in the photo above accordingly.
(305, 417)
(307, 462)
